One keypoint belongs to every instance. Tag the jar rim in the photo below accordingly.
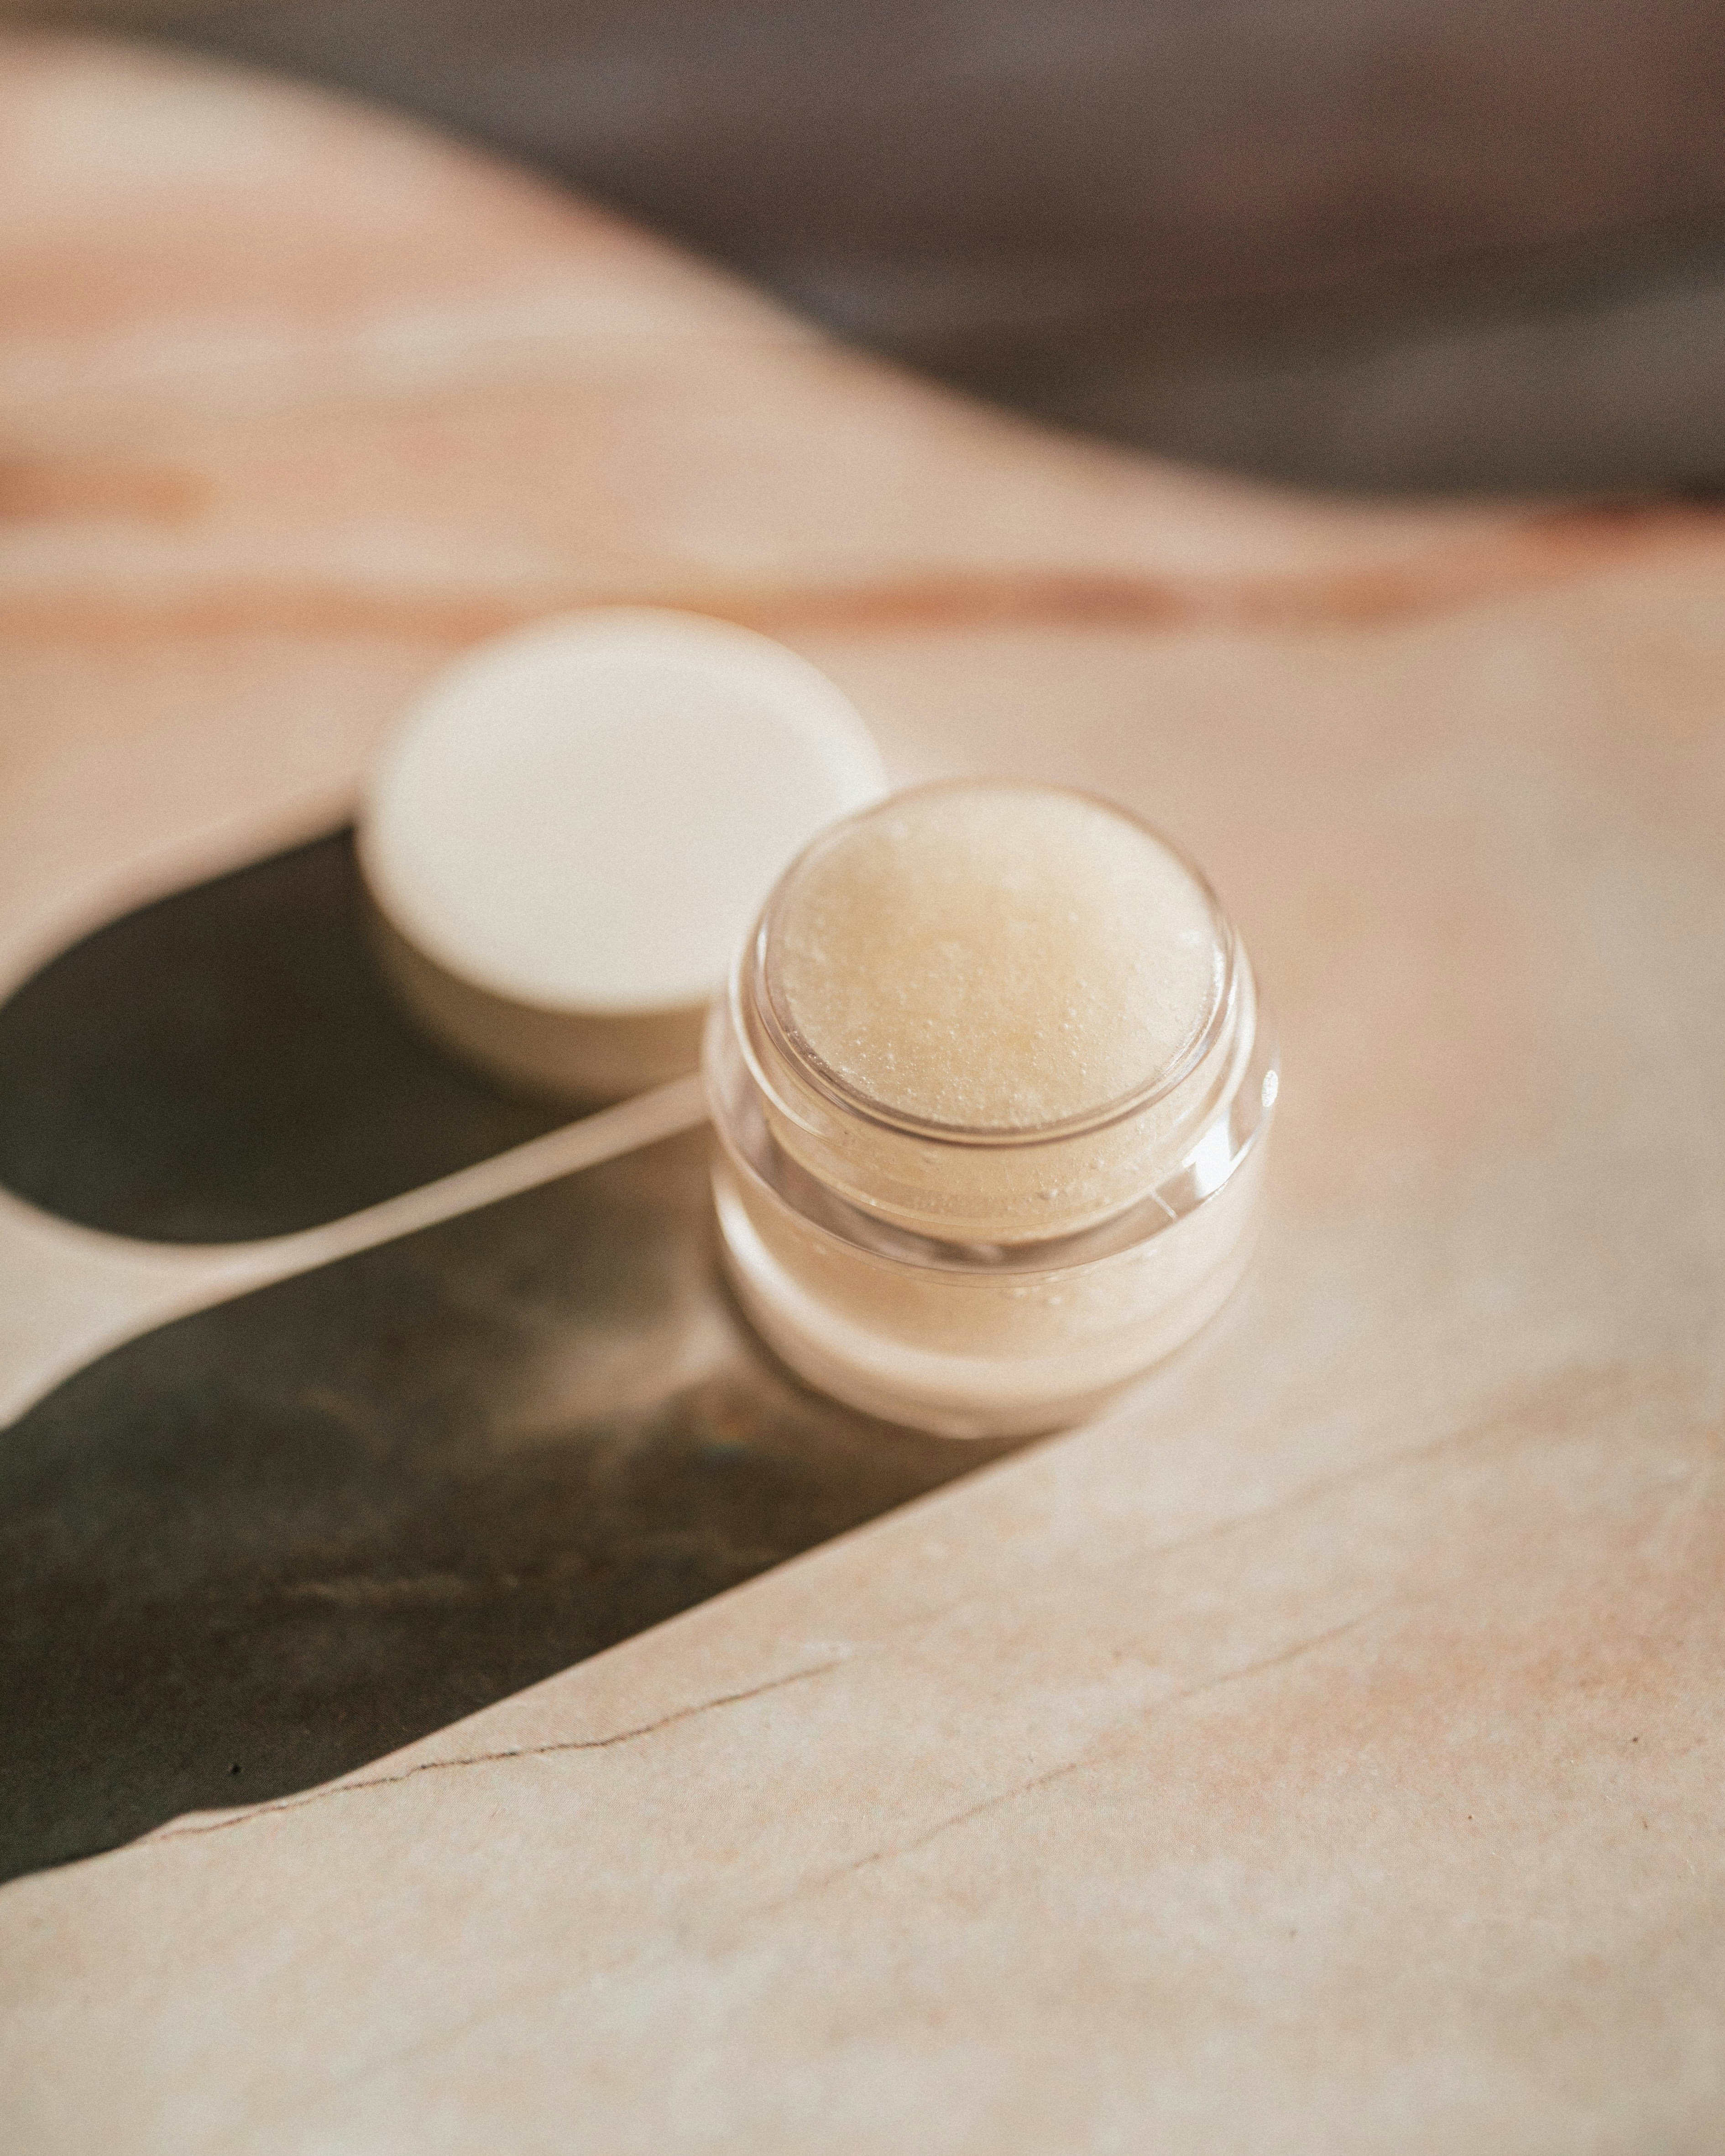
(753, 975)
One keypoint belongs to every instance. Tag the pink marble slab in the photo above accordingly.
(1324, 1752)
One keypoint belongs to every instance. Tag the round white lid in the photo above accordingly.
(586, 816)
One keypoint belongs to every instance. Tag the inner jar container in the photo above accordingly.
(1004, 1277)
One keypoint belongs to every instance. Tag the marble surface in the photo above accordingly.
(1322, 1753)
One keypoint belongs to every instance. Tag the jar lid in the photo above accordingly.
(571, 830)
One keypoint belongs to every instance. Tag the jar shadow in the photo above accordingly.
(226, 1063)
(272, 1541)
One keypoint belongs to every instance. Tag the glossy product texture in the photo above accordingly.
(991, 1083)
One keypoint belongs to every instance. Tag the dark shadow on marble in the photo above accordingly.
(226, 1063)
(272, 1541)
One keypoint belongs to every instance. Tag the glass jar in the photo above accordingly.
(999, 952)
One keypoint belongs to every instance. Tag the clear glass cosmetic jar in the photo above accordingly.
(993, 1279)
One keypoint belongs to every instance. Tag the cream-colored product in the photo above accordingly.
(992, 1083)
(567, 836)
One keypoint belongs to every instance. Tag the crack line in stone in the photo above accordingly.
(1072, 1766)
(1360, 1475)
(489, 1758)
(440, 2039)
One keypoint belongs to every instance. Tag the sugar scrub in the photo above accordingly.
(991, 1083)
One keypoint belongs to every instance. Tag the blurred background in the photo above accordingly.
(1380, 243)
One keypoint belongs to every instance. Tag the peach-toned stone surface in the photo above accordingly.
(1322, 1754)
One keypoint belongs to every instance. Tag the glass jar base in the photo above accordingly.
(956, 1395)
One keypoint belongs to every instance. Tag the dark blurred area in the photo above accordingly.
(1470, 243)
(226, 1062)
(1349, 242)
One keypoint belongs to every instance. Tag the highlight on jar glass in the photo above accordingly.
(991, 1083)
